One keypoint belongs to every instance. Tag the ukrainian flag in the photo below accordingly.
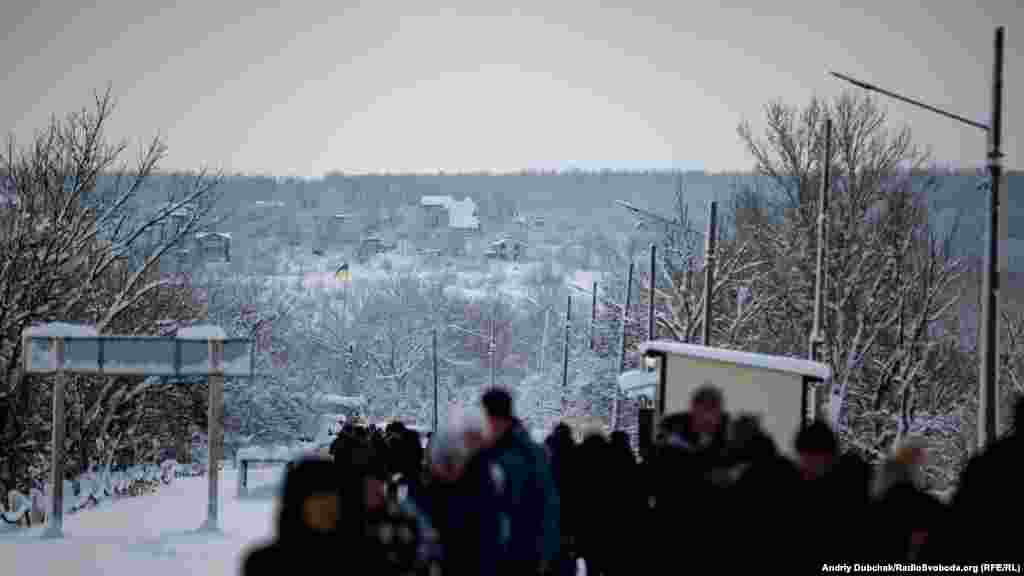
(343, 273)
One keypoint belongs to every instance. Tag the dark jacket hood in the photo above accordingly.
(304, 479)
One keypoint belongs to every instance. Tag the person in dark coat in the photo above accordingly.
(764, 487)
(989, 489)
(562, 451)
(628, 509)
(463, 502)
(690, 468)
(838, 483)
(307, 523)
(389, 537)
(906, 514)
(906, 518)
(529, 500)
(594, 483)
(405, 454)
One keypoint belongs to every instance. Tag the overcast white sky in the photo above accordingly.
(382, 85)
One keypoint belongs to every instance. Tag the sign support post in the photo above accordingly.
(215, 430)
(63, 349)
(55, 526)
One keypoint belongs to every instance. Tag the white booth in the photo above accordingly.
(779, 389)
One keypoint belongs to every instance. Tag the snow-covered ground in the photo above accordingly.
(152, 535)
(156, 535)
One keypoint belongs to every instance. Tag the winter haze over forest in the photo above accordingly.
(403, 205)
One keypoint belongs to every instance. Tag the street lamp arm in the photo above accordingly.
(467, 331)
(651, 215)
(919, 104)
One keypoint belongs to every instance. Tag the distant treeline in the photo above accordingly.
(585, 198)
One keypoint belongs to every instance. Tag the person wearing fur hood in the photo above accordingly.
(910, 512)
(903, 466)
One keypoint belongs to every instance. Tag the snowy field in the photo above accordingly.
(156, 535)
(152, 535)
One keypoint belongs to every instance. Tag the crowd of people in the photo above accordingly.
(483, 499)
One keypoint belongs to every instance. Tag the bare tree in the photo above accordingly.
(72, 226)
(738, 297)
(1013, 358)
(892, 281)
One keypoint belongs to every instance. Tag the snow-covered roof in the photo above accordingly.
(339, 400)
(505, 239)
(61, 330)
(751, 359)
(224, 235)
(462, 215)
(204, 332)
(636, 383)
(442, 201)
(585, 278)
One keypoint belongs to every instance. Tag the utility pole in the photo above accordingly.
(544, 339)
(709, 270)
(565, 351)
(593, 316)
(434, 346)
(688, 281)
(988, 421)
(625, 318)
(55, 523)
(818, 331)
(650, 303)
(491, 349)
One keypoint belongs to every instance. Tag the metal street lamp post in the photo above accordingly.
(989, 333)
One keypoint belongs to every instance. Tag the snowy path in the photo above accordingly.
(150, 535)
(153, 535)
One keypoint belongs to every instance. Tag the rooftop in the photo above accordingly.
(441, 201)
(750, 359)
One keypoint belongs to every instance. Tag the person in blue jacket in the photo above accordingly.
(529, 501)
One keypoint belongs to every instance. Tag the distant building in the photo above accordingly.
(507, 249)
(173, 223)
(529, 221)
(372, 246)
(445, 211)
(214, 246)
(341, 229)
(176, 218)
(435, 210)
(453, 222)
(462, 215)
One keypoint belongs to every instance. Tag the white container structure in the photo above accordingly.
(779, 389)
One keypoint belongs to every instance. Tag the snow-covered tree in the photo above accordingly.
(78, 244)
(1012, 381)
(892, 280)
(274, 406)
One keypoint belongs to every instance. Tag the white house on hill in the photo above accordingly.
(445, 211)
(214, 246)
(462, 215)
